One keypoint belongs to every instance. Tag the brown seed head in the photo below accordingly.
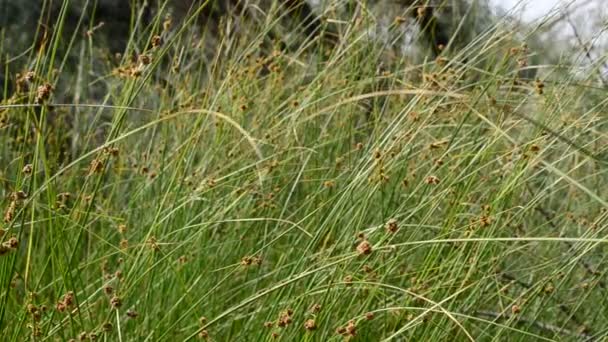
(310, 325)
(30, 76)
(27, 169)
(108, 290)
(12, 243)
(9, 214)
(60, 306)
(315, 308)
(391, 226)
(122, 228)
(351, 328)
(107, 327)
(246, 261)
(31, 308)
(43, 93)
(96, 166)
(285, 318)
(145, 59)
(18, 195)
(539, 86)
(156, 41)
(432, 180)
(115, 302)
(153, 244)
(203, 334)
(167, 24)
(421, 12)
(68, 298)
(485, 220)
(515, 309)
(364, 248)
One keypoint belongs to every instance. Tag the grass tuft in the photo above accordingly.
(248, 189)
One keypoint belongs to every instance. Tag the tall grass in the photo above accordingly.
(316, 193)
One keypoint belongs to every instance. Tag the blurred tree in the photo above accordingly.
(437, 20)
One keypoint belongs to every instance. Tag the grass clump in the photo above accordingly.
(321, 192)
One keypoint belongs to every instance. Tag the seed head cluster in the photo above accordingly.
(310, 325)
(285, 318)
(349, 330)
(364, 248)
(66, 302)
(392, 226)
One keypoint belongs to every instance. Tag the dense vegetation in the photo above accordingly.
(248, 180)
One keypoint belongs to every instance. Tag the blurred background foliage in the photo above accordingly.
(108, 25)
